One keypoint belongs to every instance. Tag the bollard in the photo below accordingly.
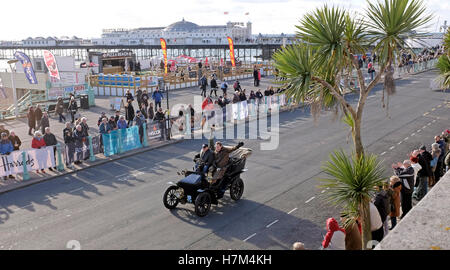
(60, 163)
(26, 175)
(91, 149)
(145, 135)
(119, 141)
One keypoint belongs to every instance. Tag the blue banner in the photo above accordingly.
(27, 66)
(119, 141)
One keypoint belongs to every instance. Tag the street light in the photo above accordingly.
(16, 107)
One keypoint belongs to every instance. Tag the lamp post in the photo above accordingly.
(16, 109)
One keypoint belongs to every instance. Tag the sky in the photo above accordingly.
(87, 18)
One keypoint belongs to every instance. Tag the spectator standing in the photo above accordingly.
(50, 140)
(129, 113)
(112, 122)
(145, 98)
(252, 95)
(352, 235)
(144, 110)
(382, 202)
(129, 96)
(203, 85)
(79, 139)
(69, 142)
(242, 96)
(105, 127)
(224, 87)
(157, 97)
(59, 109)
(376, 225)
(160, 118)
(16, 142)
(84, 127)
(45, 122)
(139, 97)
(424, 174)
(236, 97)
(37, 143)
(6, 148)
(38, 114)
(31, 120)
(213, 87)
(259, 96)
(237, 86)
(140, 121)
(406, 174)
(150, 112)
(396, 187)
(434, 164)
(255, 77)
(116, 117)
(335, 237)
(73, 108)
(3, 129)
(101, 118)
(122, 124)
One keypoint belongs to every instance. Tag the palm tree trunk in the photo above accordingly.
(356, 135)
(365, 226)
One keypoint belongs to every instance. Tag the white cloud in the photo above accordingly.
(87, 18)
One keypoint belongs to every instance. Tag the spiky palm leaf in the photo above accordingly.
(443, 65)
(390, 23)
(351, 181)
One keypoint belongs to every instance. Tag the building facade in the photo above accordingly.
(181, 33)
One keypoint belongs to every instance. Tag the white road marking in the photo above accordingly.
(323, 191)
(99, 182)
(424, 127)
(440, 105)
(433, 109)
(120, 175)
(382, 154)
(392, 147)
(406, 138)
(272, 223)
(292, 210)
(310, 199)
(413, 134)
(419, 130)
(75, 190)
(428, 124)
(434, 121)
(426, 113)
(399, 142)
(245, 240)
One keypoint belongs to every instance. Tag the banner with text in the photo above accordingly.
(27, 66)
(36, 159)
(126, 141)
(50, 63)
(76, 151)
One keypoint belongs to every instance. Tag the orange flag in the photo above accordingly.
(164, 49)
(230, 42)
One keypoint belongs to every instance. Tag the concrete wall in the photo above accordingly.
(22, 82)
(427, 225)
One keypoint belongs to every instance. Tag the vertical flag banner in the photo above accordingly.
(27, 66)
(230, 42)
(50, 63)
(164, 49)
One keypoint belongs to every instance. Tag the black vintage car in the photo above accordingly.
(196, 189)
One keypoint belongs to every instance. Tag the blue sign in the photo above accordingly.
(27, 66)
(126, 140)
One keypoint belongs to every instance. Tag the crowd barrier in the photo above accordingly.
(124, 140)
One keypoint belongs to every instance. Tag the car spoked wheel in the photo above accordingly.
(170, 199)
(237, 189)
(202, 204)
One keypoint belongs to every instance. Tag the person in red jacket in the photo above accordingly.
(335, 237)
(37, 143)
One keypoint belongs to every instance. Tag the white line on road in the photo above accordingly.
(433, 109)
(392, 147)
(292, 210)
(406, 138)
(75, 190)
(382, 153)
(272, 223)
(434, 121)
(310, 199)
(400, 142)
(440, 105)
(419, 130)
(245, 240)
(413, 134)
(99, 182)
(424, 127)
(120, 175)
(323, 191)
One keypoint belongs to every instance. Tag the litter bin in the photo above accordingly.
(84, 101)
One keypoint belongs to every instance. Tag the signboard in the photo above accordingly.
(154, 132)
(36, 159)
(116, 103)
(226, 71)
(50, 63)
(128, 140)
(27, 66)
(76, 151)
(152, 80)
(67, 79)
(56, 92)
(164, 49)
(118, 54)
(192, 74)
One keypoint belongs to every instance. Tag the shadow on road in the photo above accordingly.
(235, 221)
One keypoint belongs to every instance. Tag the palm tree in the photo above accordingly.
(444, 64)
(331, 40)
(351, 183)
